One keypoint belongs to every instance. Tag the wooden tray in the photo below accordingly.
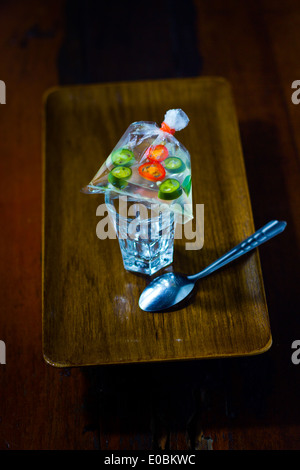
(90, 303)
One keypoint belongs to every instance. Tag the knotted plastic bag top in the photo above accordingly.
(150, 164)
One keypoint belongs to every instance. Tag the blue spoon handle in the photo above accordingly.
(262, 235)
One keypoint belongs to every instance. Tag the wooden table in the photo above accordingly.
(240, 403)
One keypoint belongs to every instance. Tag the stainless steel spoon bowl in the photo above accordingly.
(169, 290)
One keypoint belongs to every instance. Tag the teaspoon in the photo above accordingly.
(170, 289)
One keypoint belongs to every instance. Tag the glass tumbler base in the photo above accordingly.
(144, 263)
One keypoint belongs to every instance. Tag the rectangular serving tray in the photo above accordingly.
(90, 303)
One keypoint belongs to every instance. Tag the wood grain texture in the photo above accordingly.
(91, 314)
(30, 408)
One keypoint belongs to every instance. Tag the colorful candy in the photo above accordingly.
(150, 164)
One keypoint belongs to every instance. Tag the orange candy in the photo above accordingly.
(152, 171)
(157, 153)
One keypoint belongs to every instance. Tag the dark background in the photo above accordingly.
(242, 403)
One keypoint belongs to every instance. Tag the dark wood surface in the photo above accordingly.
(241, 403)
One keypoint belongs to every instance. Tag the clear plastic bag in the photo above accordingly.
(150, 164)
